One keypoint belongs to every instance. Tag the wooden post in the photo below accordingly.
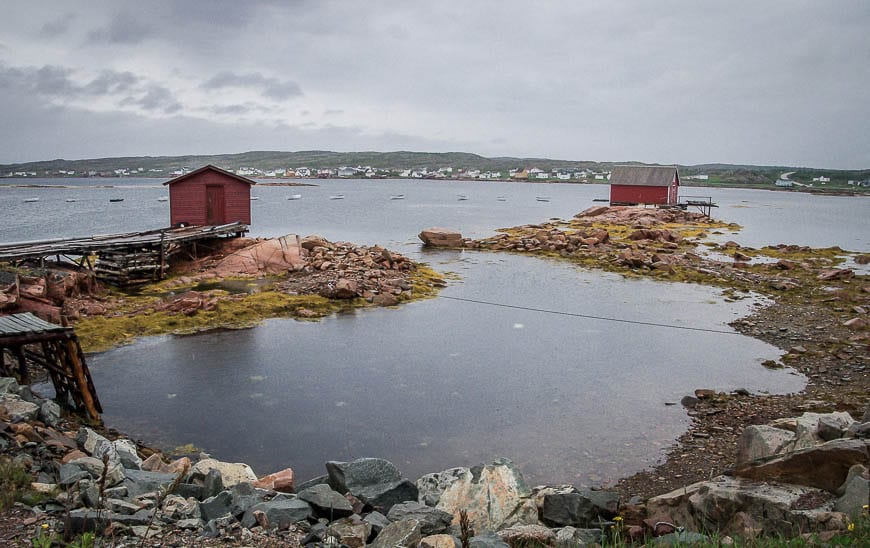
(81, 381)
(23, 373)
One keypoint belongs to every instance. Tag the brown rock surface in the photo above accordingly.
(441, 237)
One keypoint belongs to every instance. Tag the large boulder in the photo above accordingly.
(231, 473)
(441, 237)
(280, 512)
(759, 441)
(399, 533)
(723, 503)
(432, 520)
(376, 482)
(326, 502)
(824, 466)
(494, 495)
(17, 409)
(272, 256)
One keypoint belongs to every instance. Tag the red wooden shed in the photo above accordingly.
(632, 185)
(209, 196)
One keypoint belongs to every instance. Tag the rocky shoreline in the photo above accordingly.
(818, 316)
(77, 481)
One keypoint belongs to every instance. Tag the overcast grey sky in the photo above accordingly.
(666, 81)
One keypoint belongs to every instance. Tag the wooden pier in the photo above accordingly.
(704, 204)
(121, 259)
(32, 342)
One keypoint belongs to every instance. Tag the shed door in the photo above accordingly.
(215, 205)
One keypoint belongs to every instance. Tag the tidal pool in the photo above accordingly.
(442, 383)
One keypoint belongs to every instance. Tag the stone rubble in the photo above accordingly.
(777, 487)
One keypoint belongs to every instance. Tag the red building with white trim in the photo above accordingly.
(633, 185)
(209, 196)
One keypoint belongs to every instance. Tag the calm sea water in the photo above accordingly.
(442, 383)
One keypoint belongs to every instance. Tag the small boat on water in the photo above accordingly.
(70, 200)
(542, 198)
(116, 199)
(294, 197)
(501, 198)
(30, 200)
(461, 197)
(337, 197)
(397, 197)
(601, 199)
(255, 197)
(163, 199)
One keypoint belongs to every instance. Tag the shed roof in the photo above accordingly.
(210, 167)
(27, 324)
(643, 175)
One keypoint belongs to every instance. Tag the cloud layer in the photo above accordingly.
(778, 82)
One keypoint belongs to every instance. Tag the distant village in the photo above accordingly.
(359, 172)
(566, 174)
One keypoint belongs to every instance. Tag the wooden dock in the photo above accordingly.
(121, 259)
(704, 204)
(33, 342)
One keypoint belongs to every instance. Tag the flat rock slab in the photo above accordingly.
(441, 237)
(825, 466)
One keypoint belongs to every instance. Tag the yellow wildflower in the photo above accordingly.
(617, 518)
(851, 527)
(45, 526)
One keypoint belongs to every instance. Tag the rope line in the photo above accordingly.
(590, 316)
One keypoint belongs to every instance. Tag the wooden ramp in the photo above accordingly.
(121, 259)
(31, 341)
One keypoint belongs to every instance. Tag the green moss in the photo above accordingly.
(103, 332)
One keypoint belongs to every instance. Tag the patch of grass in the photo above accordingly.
(14, 482)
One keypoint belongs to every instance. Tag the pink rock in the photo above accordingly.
(279, 481)
(273, 256)
(441, 237)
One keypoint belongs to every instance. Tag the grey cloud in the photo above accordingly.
(111, 82)
(55, 81)
(269, 87)
(238, 109)
(57, 27)
(155, 99)
(123, 28)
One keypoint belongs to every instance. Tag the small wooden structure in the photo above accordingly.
(35, 342)
(122, 259)
(634, 185)
(209, 196)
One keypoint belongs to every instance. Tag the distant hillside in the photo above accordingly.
(161, 166)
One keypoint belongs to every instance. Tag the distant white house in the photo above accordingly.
(784, 182)
(698, 177)
(563, 176)
(303, 172)
(346, 172)
(821, 179)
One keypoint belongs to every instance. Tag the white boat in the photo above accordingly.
(163, 199)
(294, 197)
(501, 198)
(255, 197)
(461, 197)
(397, 197)
(31, 200)
(69, 200)
(542, 198)
(337, 197)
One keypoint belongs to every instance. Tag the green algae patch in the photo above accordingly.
(425, 284)
(100, 333)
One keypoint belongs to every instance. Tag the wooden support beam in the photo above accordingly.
(83, 385)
